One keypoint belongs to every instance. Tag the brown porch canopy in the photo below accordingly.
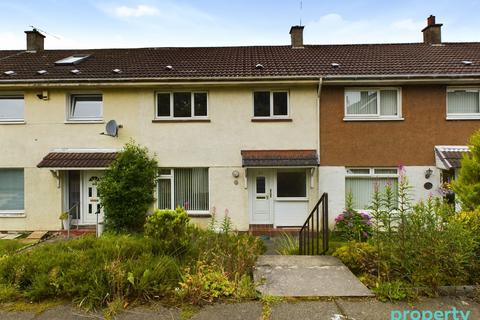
(448, 157)
(94, 159)
(279, 158)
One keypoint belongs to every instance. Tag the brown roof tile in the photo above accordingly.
(265, 158)
(312, 61)
(77, 160)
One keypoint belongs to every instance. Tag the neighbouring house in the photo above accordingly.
(259, 132)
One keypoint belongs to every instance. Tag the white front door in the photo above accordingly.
(91, 200)
(261, 197)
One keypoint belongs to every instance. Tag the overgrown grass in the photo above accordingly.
(115, 270)
(10, 246)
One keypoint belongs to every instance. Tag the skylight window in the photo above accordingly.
(9, 73)
(75, 59)
(467, 62)
(41, 72)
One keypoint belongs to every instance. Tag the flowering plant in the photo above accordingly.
(353, 225)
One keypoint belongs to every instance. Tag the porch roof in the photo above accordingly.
(91, 159)
(448, 157)
(279, 158)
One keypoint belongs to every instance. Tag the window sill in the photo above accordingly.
(472, 117)
(12, 214)
(12, 122)
(179, 120)
(199, 215)
(271, 120)
(373, 119)
(84, 121)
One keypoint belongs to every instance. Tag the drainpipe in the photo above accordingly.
(319, 91)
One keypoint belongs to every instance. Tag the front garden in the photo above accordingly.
(401, 249)
(159, 257)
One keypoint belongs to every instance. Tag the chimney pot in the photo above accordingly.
(35, 40)
(296, 36)
(432, 33)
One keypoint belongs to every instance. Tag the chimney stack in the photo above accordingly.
(432, 33)
(296, 35)
(34, 40)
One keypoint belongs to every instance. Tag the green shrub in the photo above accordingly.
(467, 184)
(206, 283)
(360, 257)
(393, 291)
(170, 228)
(92, 272)
(236, 253)
(286, 244)
(351, 224)
(127, 189)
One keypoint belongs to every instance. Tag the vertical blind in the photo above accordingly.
(190, 190)
(164, 194)
(362, 189)
(463, 102)
(11, 189)
(388, 102)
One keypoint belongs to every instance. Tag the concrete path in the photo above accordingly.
(331, 309)
(306, 276)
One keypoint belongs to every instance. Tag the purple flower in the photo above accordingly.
(365, 234)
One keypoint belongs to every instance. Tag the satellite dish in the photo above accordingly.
(111, 128)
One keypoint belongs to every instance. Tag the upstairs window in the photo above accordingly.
(372, 104)
(463, 103)
(270, 104)
(86, 107)
(11, 108)
(182, 105)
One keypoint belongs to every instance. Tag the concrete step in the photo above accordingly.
(307, 276)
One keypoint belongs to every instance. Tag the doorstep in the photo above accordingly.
(269, 230)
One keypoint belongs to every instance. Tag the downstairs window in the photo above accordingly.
(11, 190)
(361, 183)
(184, 187)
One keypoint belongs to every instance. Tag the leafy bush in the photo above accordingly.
(469, 219)
(170, 228)
(205, 284)
(286, 244)
(127, 189)
(360, 257)
(351, 224)
(393, 291)
(467, 185)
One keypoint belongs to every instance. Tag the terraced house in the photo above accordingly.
(259, 131)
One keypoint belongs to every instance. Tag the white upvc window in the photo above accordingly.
(361, 183)
(12, 108)
(291, 185)
(373, 104)
(184, 187)
(271, 104)
(85, 107)
(463, 103)
(181, 104)
(12, 191)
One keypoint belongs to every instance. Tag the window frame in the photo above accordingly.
(192, 106)
(70, 101)
(171, 176)
(377, 116)
(13, 95)
(280, 199)
(271, 92)
(462, 116)
(15, 213)
(370, 175)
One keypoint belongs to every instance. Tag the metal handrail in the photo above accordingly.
(69, 211)
(315, 226)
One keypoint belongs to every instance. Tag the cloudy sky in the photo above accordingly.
(147, 23)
